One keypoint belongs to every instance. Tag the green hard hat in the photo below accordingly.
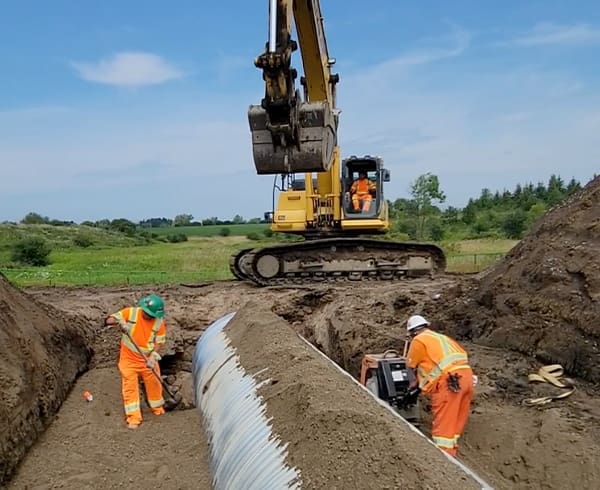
(153, 305)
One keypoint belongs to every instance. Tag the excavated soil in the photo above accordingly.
(42, 350)
(544, 299)
(511, 446)
(338, 437)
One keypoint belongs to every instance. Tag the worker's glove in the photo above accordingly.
(125, 326)
(152, 359)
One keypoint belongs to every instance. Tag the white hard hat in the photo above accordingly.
(415, 321)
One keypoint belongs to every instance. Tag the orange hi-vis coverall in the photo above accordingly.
(147, 334)
(360, 191)
(435, 356)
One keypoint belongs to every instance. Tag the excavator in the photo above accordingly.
(295, 138)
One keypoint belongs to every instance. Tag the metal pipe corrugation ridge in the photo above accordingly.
(244, 451)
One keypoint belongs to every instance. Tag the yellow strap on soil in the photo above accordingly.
(551, 374)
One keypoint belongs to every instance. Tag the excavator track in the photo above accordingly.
(337, 259)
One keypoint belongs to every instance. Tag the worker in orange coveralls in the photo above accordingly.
(443, 373)
(146, 327)
(361, 191)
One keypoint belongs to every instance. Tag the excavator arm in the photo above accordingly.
(292, 134)
(297, 134)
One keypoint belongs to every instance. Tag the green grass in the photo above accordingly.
(198, 259)
(116, 259)
(210, 230)
(65, 236)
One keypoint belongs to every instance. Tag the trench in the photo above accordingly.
(506, 443)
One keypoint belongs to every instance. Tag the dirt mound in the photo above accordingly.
(338, 435)
(42, 351)
(543, 299)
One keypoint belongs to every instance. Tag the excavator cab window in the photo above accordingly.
(362, 184)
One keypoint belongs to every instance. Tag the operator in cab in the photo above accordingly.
(361, 192)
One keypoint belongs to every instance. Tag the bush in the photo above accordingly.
(253, 236)
(177, 238)
(268, 232)
(83, 241)
(224, 232)
(32, 251)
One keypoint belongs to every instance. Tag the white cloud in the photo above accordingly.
(548, 33)
(128, 69)
(453, 45)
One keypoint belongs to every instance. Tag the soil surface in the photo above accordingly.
(510, 445)
(42, 350)
(88, 446)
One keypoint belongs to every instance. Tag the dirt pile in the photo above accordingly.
(339, 437)
(543, 299)
(42, 351)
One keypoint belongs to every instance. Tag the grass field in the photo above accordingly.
(211, 230)
(199, 259)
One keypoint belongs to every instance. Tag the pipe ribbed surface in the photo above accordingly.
(244, 451)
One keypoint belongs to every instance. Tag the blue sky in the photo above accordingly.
(138, 109)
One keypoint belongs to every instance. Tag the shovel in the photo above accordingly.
(172, 400)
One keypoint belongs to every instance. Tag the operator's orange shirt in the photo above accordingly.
(362, 186)
(142, 334)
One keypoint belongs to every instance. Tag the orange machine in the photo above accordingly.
(387, 376)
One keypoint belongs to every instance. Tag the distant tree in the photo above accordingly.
(182, 220)
(35, 219)
(572, 186)
(514, 224)
(424, 191)
(535, 212)
(156, 223)
(32, 251)
(238, 220)
(123, 225)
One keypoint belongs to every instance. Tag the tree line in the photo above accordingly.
(506, 214)
(499, 214)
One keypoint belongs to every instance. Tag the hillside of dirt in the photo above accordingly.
(42, 351)
(543, 299)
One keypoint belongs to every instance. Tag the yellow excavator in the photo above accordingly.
(294, 138)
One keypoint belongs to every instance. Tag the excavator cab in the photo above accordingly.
(388, 378)
(365, 206)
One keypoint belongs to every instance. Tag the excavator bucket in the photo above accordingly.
(312, 150)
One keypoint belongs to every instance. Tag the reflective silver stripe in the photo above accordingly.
(445, 442)
(156, 403)
(132, 407)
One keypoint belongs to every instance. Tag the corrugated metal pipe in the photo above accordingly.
(244, 452)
